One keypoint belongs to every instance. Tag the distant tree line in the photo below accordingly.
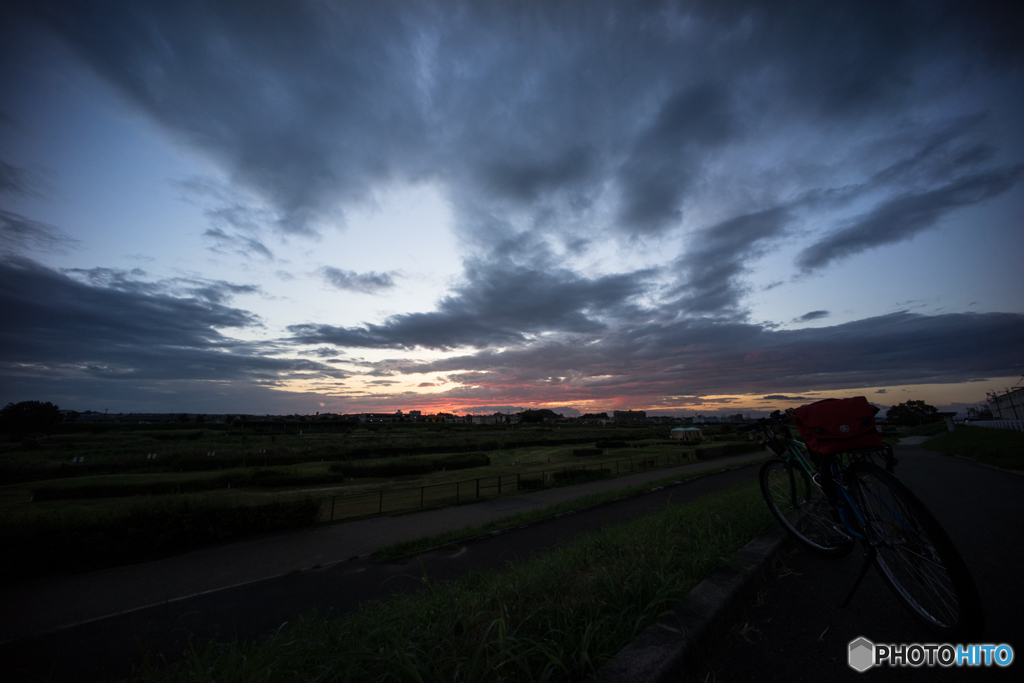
(912, 413)
(29, 417)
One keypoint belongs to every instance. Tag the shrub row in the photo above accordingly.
(67, 544)
(11, 473)
(728, 449)
(397, 467)
(611, 444)
(243, 479)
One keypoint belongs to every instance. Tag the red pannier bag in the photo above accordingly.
(838, 425)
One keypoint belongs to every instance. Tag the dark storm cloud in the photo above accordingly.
(902, 217)
(812, 315)
(694, 358)
(313, 104)
(213, 291)
(659, 171)
(55, 325)
(364, 283)
(499, 304)
(783, 397)
(717, 256)
(571, 124)
(307, 103)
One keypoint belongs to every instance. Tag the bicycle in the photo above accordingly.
(829, 502)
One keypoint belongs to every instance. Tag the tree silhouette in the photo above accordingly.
(912, 413)
(28, 417)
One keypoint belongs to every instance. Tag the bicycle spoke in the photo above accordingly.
(811, 520)
(906, 555)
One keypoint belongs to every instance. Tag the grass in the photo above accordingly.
(261, 482)
(72, 508)
(135, 532)
(423, 464)
(397, 551)
(999, 447)
(558, 617)
(123, 447)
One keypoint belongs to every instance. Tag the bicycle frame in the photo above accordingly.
(852, 496)
(794, 456)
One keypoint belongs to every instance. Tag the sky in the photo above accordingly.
(679, 207)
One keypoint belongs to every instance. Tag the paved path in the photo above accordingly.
(42, 605)
(795, 631)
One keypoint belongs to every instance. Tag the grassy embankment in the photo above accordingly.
(404, 549)
(558, 617)
(999, 447)
(76, 530)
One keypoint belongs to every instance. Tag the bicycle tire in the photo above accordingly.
(915, 556)
(811, 522)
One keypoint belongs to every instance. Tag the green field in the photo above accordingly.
(998, 447)
(322, 477)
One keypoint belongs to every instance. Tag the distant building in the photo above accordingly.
(979, 413)
(629, 415)
(687, 434)
(1008, 405)
(381, 417)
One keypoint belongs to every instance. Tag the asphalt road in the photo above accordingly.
(107, 648)
(795, 630)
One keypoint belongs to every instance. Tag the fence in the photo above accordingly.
(387, 501)
(999, 424)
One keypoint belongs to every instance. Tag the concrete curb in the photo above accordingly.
(662, 652)
(523, 525)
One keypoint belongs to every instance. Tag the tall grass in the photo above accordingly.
(555, 618)
(998, 447)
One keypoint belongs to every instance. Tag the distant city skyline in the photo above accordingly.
(677, 207)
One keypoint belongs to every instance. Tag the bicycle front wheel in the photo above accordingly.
(801, 507)
(915, 556)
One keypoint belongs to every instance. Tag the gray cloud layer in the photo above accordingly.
(551, 128)
(902, 217)
(364, 283)
(115, 328)
(504, 305)
(700, 358)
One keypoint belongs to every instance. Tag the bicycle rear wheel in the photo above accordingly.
(802, 508)
(916, 557)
